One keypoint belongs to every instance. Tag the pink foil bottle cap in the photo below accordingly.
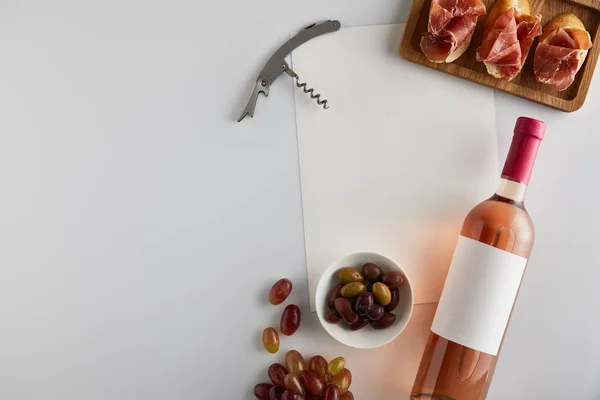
(528, 135)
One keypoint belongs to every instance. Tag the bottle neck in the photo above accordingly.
(512, 190)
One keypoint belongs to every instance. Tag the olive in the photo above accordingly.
(392, 279)
(372, 272)
(364, 303)
(353, 289)
(384, 322)
(382, 293)
(348, 274)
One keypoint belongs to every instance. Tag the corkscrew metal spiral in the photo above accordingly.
(311, 92)
(277, 66)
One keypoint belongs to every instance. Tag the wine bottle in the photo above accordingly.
(482, 282)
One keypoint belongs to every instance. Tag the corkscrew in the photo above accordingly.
(277, 66)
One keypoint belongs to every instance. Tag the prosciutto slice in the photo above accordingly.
(451, 23)
(557, 59)
(507, 41)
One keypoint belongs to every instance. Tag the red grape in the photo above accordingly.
(290, 320)
(331, 392)
(276, 393)
(295, 362)
(261, 391)
(311, 382)
(270, 339)
(287, 395)
(280, 291)
(277, 373)
(292, 383)
(318, 364)
(347, 396)
(342, 380)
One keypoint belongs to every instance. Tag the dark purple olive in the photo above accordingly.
(392, 279)
(376, 312)
(334, 294)
(384, 322)
(364, 303)
(372, 272)
(333, 317)
(395, 300)
(344, 308)
(361, 323)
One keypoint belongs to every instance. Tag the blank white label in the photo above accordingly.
(478, 295)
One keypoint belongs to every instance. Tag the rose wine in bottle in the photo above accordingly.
(482, 282)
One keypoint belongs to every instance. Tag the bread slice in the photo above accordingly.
(571, 23)
(460, 50)
(499, 8)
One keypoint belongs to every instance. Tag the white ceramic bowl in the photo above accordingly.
(367, 337)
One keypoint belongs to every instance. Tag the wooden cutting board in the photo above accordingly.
(524, 85)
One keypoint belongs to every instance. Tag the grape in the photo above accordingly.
(287, 395)
(280, 291)
(312, 397)
(336, 365)
(347, 275)
(292, 383)
(344, 308)
(261, 391)
(382, 293)
(347, 396)
(318, 364)
(290, 320)
(395, 300)
(376, 312)
(331, 392)
(276, 393)
(372, 272)
(385, 321)
(364, 303)
(295, 362)
(361, 323)
(333, 317)
(277, 373)
(334, 294)
(353, 289)
(270, 339)
(392, 279)
(342, 380)
(311, 382)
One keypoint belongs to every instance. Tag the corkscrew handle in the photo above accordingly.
(277, 65)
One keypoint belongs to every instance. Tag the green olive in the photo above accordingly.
(382, 293)
(353, 289)
(348, 274)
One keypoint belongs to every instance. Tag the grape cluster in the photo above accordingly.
(298, 380)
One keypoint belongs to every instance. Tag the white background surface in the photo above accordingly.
(373, 150)
(140, 225)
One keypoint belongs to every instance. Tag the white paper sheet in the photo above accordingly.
(398, 159)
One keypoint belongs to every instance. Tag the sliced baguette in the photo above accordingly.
(500, 7)
(569, 22)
